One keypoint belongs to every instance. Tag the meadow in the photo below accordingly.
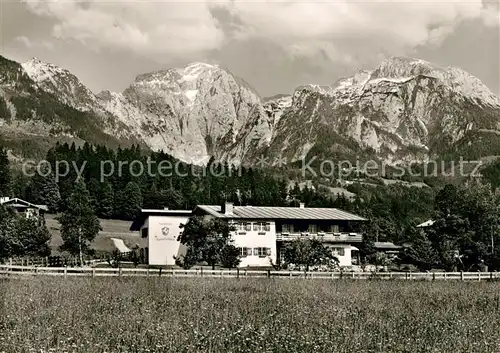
(247, 315)
(110, 229)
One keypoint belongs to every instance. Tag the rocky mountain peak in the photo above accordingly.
(61, 82)
(402, 67)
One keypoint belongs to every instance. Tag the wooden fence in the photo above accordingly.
(51, 261)
(26, 271)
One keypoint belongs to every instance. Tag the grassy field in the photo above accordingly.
(110, 229)
(217, 315)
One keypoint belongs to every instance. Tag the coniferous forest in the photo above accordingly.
(465, 214)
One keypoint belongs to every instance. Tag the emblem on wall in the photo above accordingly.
(165, 234)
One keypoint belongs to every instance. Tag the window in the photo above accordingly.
(262, 227)
(287, 228)
(334, 228)
(244, 227)
(313, 228)
(244, 252)
(144, 232)
(262, 252)
(338, 251)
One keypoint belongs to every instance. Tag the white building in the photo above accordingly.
(261, 232)
(25, 208)
(160, 230)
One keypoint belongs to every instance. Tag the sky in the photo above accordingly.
(273, 45)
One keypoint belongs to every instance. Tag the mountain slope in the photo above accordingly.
(405, 109)
(33, 119)
(193, 113)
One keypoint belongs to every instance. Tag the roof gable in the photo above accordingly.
(15, 202)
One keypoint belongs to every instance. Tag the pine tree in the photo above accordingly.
(106, 201)
(43, 190)
(94, 188)
(5, 176)
(33, 237)
(79, 224)
(130, 201)
(8, 241)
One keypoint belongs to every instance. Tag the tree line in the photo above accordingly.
(465, 232)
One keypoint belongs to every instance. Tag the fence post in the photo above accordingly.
(491, 276)
(119, 271)
(410, 275)
(65, 272)
(462, 275)
(433, 276)
(93, 272)
(147, 272)
(479, 276)
(268, 273)
(237, 272)
(159, 273)
(221, 274)
(201, 271)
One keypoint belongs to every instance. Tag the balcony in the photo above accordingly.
(326, 237)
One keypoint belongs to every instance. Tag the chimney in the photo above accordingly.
(227, 208)
(302, 205)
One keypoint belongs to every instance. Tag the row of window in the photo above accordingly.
(312, 228)
(285, 228)
(257, 226)
(260, 252)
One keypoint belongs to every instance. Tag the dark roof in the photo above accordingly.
(145, 213)
(250, 212)
(18, 203)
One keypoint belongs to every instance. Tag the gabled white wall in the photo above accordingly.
(163, 245)
(252, 239)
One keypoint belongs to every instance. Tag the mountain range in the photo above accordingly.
(404, 109)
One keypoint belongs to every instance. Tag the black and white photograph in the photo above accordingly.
(249, 176)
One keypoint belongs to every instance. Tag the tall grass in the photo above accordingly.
(247, 315)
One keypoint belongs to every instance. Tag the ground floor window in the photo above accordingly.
(262, 252)
(244, 252)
